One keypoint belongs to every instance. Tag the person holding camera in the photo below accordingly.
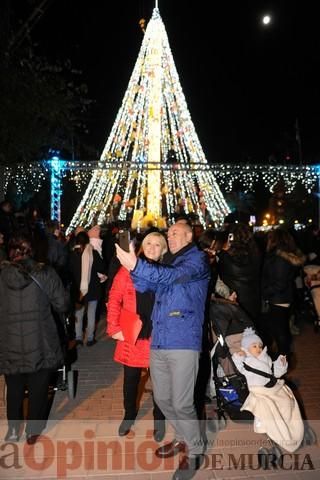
(124, 301)
(180, 286)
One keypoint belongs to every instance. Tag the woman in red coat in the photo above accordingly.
(134, 357)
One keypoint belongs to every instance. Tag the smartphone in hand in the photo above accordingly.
(124, 239)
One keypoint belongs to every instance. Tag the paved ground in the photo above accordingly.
(81, 440)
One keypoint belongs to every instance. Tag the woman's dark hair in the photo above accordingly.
(20, 247)
(219, 237)
(280, 239)
(243, 242)
(206, 238)
(82, 239)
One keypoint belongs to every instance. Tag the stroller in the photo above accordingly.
(228, 322)
(65, 379)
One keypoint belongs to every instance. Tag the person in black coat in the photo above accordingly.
(30, 346)
(281, 263)
(7, 222)
(240, 269)
(87, 271)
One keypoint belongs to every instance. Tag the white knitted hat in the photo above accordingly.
(249, 337)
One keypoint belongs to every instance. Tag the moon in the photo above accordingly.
(266, 19)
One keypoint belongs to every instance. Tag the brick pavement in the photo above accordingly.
(81, 439)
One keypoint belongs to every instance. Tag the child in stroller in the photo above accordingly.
(270, 400)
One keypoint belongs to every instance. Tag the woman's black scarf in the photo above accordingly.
(145, 303)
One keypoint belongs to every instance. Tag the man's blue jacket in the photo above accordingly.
(180, 296)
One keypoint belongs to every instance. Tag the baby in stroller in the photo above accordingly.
(275, 409)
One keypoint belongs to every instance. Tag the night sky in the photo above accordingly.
(245, 84)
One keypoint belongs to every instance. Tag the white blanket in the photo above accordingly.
(277, 414)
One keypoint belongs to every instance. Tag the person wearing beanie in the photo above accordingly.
(253, 354)
(270, 400)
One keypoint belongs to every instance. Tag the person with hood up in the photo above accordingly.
(30, 347)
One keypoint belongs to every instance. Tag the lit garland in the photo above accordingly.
(249, 175)
(31, 176)
(25, 176)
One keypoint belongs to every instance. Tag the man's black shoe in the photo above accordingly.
(188, 467)
(170, 449)
(12, 435)
(92, 342)
(79, 342)
(32, 438)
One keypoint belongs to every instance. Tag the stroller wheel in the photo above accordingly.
(309, 437)
(214, 425)
(222, 423)
(71, 384)
(263, 458)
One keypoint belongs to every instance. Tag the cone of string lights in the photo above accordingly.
(152, 167)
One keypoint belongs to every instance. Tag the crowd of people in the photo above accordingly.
(157, 300)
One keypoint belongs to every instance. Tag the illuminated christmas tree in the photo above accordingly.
(153, 167)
